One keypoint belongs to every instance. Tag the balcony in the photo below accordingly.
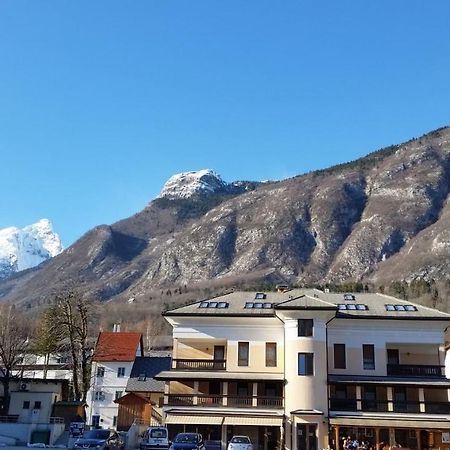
(411, 370)
(342, 404)
(264, 402)
(199, 364)
(437, 407)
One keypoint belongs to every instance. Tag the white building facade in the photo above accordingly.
(301, 369)
(113, 360)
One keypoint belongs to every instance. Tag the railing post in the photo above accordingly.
(195, 402)
(421, 400)
(389, 395)
(358, 398)
(225, 393)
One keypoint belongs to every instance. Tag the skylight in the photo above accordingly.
(353, 307)
(407, 308)
(220, 305)
(260, 296)
(348, 297)
(258, 305)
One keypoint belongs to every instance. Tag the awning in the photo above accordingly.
(258, 421)
(390, 423)
(193, 420)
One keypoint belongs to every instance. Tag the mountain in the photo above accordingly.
(21, 249)
(385, 216)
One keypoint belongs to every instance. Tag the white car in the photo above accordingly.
(240, 443)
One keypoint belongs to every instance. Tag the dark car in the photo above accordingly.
(188, 441)
(100, 440)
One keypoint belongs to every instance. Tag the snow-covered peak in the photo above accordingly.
(188, 184)
(24, 248)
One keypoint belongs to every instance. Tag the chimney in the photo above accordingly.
(116, 328)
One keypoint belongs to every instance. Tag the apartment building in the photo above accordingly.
(303, 369)
(112, 363)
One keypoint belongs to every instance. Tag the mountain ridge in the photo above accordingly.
(363, 220)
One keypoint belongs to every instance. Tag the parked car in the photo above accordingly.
(100, 440)
(240, 443)
(188, 441)
(155, 438)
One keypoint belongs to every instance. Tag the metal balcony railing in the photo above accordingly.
(199, 364)
(415, 370)
(224, 401)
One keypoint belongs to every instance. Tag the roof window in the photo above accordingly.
(410, 308)
(349, 297)
(142, 377)
(258, 305)
(219, 305)
(400, 308)
(352, 307)
(260, 296)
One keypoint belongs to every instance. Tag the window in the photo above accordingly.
(352, 306)
(305, 327)
(389, 307)
(118, 395)
(220, 305)
(26, 405)
(114, 421)
(100, 372)
(260, 296)
(306, 363)
(37, 405)
(393, 356)
(142, 377)
(243, 350)
(410, 308)
(271, 354)
(248, 305)
(99, 395)
(349, 297)
(368, 356)
(257, 305)
(339, 356)
(121, 372)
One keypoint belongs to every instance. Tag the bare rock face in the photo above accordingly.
(383, 217)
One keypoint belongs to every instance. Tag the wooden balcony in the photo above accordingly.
(414, 370)
(199, 364)
(264, 402)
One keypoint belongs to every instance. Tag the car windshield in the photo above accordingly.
(158, 433)
(186, 438)
(240, 440)
(96, 434)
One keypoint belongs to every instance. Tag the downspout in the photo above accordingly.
(284, 376)
(328, 396)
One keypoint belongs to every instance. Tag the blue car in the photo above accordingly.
(188, 441)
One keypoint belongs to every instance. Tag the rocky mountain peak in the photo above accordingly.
(189, 184)
(23, 248)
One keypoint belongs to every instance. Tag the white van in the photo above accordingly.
(155, 438)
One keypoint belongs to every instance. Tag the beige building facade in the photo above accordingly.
(304, 369)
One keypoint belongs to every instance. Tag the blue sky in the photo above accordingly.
(100, 102)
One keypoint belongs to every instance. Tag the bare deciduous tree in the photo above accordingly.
(71, 317)
(13, 346)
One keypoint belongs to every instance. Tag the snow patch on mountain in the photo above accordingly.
(24, 248)
(188, 184)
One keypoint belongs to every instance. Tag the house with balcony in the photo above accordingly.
(301, 369)
(112, 362)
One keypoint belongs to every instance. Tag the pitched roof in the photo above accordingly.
(363, 305)
(117, 346)
(143, 372)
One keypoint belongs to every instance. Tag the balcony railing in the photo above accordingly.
(224, 401)
(406, 407)
(199, 364)
(343, 404)
(437, 407)
(414, 370)
(374, 406)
